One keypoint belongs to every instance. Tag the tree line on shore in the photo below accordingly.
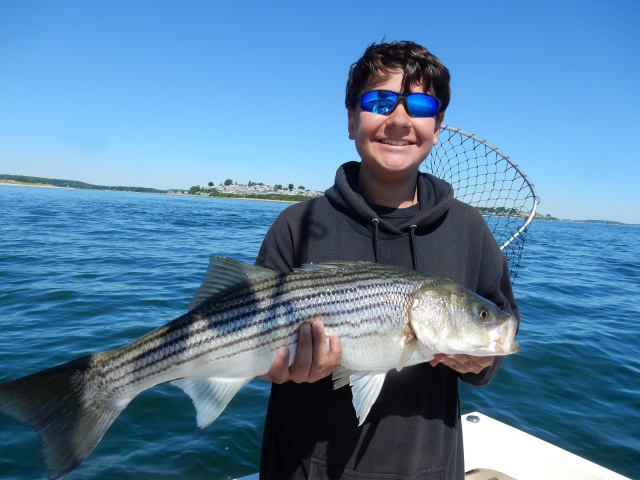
(56, 182)
(212, 192)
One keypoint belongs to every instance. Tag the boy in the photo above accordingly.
(381, 209)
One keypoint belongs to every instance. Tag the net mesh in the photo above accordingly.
(485, 178)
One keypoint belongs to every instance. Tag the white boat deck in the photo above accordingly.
(496, 451)
(506, 453)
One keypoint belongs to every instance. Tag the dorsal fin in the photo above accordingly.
(314, 267)
(225, 273)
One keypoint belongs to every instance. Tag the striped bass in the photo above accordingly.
(387, 317)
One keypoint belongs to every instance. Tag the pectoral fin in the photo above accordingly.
(210, 396)
(410, 343)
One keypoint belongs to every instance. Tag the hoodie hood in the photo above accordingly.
(434, 199)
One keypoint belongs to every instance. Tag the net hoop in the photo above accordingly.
(486, 178)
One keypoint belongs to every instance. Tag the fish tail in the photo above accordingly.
(66, 407)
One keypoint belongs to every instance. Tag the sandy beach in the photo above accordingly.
(18, 184)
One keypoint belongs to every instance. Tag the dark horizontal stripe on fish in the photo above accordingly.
(236, 310)
(165, 363)
(163, 353)
(354, 287)
(277, 339)
(272, 322)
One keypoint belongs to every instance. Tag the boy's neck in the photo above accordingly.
(388, 192)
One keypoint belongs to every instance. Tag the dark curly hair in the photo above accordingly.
(416, 62)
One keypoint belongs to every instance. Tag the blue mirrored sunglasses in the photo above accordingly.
(384, 102)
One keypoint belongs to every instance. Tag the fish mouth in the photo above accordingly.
(508, 350)
(503, 337)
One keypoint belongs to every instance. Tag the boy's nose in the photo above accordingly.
(400, 116)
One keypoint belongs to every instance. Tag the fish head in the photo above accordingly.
(448, 318)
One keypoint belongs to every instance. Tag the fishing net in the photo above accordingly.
(487, 179)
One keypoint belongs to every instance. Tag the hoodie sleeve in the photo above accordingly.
(285, 245)
(495, 286)
(276, 251)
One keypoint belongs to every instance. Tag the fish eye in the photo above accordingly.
(484, 313)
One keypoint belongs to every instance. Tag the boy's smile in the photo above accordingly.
(393, 146)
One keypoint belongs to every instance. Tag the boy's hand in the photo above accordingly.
(313, 362)
(462, 363)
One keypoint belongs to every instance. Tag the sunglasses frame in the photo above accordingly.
(399, 96)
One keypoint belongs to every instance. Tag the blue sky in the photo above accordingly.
(174, 94)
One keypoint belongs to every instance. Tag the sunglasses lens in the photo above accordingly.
(384, 101)
(422, 105)
(379, 101)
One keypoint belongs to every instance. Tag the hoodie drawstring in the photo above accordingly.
(412, 240)
(376, 247)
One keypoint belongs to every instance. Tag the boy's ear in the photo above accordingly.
(436, 132)
(352, 122)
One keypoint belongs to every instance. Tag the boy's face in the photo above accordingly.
(392, 146)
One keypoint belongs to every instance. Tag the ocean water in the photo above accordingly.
(83, 271)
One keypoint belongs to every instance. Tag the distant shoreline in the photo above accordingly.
(17, 184)
(44, 185)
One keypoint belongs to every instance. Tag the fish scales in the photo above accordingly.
(277, 307)
(387, 317)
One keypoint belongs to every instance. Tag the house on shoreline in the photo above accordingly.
(257, 189)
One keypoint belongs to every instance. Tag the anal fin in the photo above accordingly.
(210, 396)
